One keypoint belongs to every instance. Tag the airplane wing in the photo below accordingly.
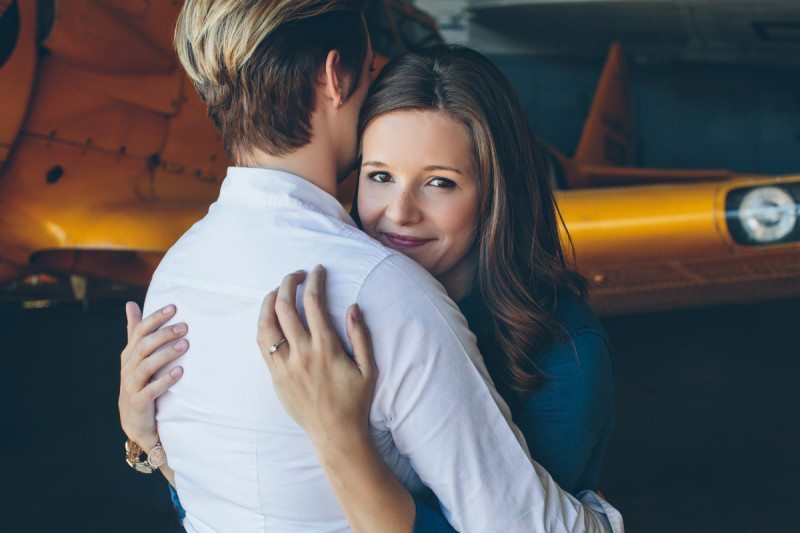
(658, 247)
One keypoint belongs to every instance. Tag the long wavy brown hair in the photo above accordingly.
(522, 267)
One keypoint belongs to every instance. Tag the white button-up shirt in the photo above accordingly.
(242, 464)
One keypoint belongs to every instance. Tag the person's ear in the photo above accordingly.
(334, 84)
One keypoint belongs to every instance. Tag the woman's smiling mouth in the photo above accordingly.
(404, 241)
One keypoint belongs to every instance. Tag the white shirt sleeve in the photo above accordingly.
(436, 398)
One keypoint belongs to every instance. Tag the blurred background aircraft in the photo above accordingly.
(106, 152)
(107, 156)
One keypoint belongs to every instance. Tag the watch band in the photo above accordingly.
(149, 464)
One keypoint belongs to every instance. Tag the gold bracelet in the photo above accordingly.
(149, 464)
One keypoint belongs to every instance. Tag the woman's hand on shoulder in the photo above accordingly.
(323, 389)
(150, 348)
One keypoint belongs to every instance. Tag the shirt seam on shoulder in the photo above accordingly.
(300, 205)
(220, 288)
(438, 312)
(367, 274)
(384, 260)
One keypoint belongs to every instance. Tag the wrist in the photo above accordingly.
(340, 447)
(145, 442)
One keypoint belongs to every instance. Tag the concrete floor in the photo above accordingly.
(706, 436)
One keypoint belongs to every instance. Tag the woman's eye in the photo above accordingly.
(380, 177)
(442, 183)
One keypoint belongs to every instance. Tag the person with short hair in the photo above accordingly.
(284, 82)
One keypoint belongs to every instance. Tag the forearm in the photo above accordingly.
(371, 496)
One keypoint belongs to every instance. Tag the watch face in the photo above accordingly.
(157, 457)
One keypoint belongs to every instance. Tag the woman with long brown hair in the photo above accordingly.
(451, 176)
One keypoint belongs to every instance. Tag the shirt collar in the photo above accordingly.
(269, 187)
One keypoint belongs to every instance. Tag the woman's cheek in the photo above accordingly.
(368, 210)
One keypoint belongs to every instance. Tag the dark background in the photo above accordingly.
(706, 438)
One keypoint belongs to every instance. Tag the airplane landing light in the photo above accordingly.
(765, 215)
(768, 214)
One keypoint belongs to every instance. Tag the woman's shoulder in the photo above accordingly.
(575, 316)
(581, 348)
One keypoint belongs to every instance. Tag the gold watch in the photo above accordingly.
(148, 464)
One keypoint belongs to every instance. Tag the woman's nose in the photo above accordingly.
(404, 209)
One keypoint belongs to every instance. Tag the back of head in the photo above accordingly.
(255, 64)
(522, 265)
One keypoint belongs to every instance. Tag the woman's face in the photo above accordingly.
(417, 192)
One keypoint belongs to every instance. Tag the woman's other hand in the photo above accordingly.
(329, 395)
(323, 389)
(149, 349)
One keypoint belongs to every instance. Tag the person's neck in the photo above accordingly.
(313, 162)
(459, 280)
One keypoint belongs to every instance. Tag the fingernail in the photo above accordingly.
(180, 345)
(356, 313)
(179, 329)
(168, 310)
(176, 372)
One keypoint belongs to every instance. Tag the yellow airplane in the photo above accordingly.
(655, 239)
(107, 157)
(106, 152)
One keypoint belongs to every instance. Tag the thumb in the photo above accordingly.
(360, 338)
(134, 316)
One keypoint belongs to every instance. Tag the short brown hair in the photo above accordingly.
(255, 64)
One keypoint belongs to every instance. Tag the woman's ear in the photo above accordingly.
(333, 82)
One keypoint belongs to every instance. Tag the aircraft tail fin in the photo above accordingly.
(608, 136)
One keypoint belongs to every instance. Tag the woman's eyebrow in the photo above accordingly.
(442, 167)
(428, 168)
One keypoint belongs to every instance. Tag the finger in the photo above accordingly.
(152, 322)
(138, 328)
(316, 305)
(152, 342)
(160, 385)
(361, 341)
(269, 331)
(286, 310)
(133, 314)
(155, 363)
